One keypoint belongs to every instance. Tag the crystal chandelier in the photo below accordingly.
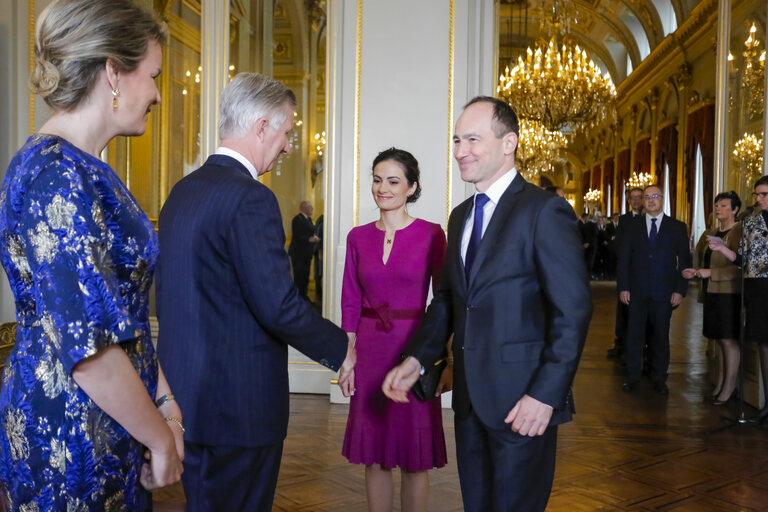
(753, 77)
(557, 84)
(593, 197)
(748, 157)
(640, 180)
(538, 149)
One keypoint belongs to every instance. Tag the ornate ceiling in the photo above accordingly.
(617, 34)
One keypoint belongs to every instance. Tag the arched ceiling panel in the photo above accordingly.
(600, 55)
(642, 10)
(636, 28)
(610, 23)
(619, 54)
(667, 14)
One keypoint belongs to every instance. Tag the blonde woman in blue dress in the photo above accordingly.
(88, 420)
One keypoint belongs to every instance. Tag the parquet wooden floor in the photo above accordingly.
(638, 452)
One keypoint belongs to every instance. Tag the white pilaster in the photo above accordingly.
(214, 19)
(721, 94)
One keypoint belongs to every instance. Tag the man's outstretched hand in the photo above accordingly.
(401, 379)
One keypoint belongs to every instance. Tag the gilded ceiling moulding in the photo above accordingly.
(670, 48)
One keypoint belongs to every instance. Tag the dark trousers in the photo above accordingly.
(620, 330)
(502, 471)
(657, 314)
(301, 274)
(232, 478)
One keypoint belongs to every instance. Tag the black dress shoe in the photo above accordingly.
(629, 386)
(661, 388)
(762, 416)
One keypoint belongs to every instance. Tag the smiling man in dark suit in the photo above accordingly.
(653, 252)
(515, 294)
(228, 309)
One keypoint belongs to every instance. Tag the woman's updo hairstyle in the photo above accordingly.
(75, 38)
(410, 168)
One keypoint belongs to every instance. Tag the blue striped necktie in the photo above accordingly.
(477, 232)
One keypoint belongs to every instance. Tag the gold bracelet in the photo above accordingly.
(168, 397)
(176, 421)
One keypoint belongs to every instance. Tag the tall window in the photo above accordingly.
(699, 223)
(667, 207)
(624, 199)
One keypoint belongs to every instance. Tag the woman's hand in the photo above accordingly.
(716, 244)
(704, 273)
(164, 467)
(347, 371)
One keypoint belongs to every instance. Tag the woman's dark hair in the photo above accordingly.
(410, 168)
(762, 181)
(733, 196)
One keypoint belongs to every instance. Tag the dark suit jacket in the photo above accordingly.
(589, 234)
(228, 308)
(608, 235)
(300, 247)
(520, 323)
(624, 222)
(653, 274)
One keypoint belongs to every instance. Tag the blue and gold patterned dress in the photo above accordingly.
(79, 253)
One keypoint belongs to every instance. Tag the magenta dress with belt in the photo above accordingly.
(383, 304)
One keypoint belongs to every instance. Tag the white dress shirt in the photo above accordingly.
(240, 158)
(494, 193)
(648, 223)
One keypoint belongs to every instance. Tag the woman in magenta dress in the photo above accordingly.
(389, 266)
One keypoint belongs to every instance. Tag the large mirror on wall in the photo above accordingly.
(282, 38)
(745, 133)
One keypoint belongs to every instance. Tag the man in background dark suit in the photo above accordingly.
(609, 241)
(228, 309)
(302, 246)
(589, 240)
(317, 257)
(515, 294)
(652, 255)
(620, 328)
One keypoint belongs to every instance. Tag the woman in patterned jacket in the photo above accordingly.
(754, 263)
(88, 420)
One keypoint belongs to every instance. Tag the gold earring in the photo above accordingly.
(115, 95)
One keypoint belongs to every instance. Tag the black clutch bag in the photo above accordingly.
(425, 387)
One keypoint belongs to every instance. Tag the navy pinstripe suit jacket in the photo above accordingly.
(228, 308)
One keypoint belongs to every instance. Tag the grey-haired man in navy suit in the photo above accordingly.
(228, 308)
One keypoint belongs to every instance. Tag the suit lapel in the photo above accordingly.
(499, 219)
(455, 234)
(664, 227)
